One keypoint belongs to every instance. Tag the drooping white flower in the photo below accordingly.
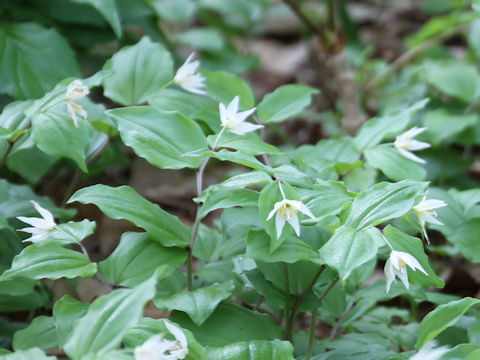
(76, 90)
(235, 121)
(425, 211)
(430, 352)
(159, 348)
(405, 143)
(396, 265)
(41, 226)
(286, 210)
(188, 78)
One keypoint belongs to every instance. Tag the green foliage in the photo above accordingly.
(289, 232)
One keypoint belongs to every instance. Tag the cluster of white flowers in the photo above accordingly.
(159, 348)
(398, 261)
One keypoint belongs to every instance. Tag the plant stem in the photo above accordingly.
(311, 339)
(330, 287)
(298, 304)
(97, 274)
(295, 7)
(411, 54)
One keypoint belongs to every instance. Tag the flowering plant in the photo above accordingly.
(238, 231)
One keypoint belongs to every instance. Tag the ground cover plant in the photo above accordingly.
(170, 192)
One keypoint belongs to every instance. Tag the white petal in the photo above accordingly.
(37, 238)
(403, 276)
(47, 215)
(39, 223)
(410, 156)
(306, 211)
(72, 114)
(279, 224)
(389, 274)
(178, 333)
(223, 114)
(294, 223)
(245, 127)
(232, 108)
(241, 116)
(412, 262)
(432, 203)
(418, 145)
(277, 206)
(413, 132)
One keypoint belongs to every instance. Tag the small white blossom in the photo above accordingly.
(188, 78)
(76, 90)
(430, 352)
(159, 348)
(41, 226)
(425, 211)
(405, 143)
(235, 121)
(396, 265)
(286, 210)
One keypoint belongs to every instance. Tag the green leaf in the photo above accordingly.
(30, 354)
(40, 333)
(442, 124)
(187, 104)
(15, 201)
(395, 166)
(137, 257)
(238, 157)
(161, 137)
(66, 311)
(34, 59)
(203, 38)
(109, 11)
(148, 327)
(465, 239)
(230, 323)
(123, 202)
(291, 249)
(384, 201)
(443, 317)
(220, 197)
(177, 10)
(459, 352)
(199, 304)
(414, 246)
(19, 295)
(223, 87)
(326, 198)
(285, 102)
(108, 319)
(349, 249)
(454, 78)
(253, 350)
(375, 130)
(49, 262)
(139, 71)
(55, 134)
(248, 143)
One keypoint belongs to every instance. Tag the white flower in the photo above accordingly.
(188, 78)
(235, 121)
(158, 348)
(396, 265)
(425, 211)
(405, 142)
(76, 90)
(430, 352)
(287, 210)
(41, 226)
